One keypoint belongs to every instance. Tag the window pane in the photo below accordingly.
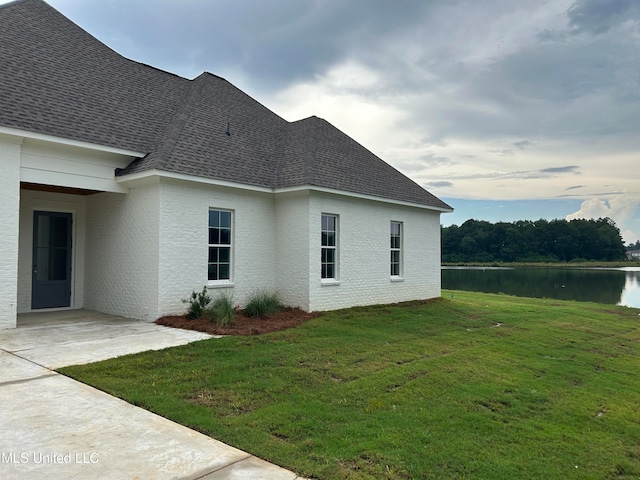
(325, 222)
(395, 256)
(331, 255)
(395, 242)
(331, 239)
(224, 271)
(225, 236)
(224, 254)
(323, 255)
(395, 269)
(214, 218)
(225, 219)
(331, 223)
(213, 254)
(324, 240)
(213, 271)
(214, 236)
(331, 271)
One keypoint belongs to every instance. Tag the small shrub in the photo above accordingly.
(198, 302)
(262, 303)
(222, 310)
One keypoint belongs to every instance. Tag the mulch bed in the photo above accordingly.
(243, 325)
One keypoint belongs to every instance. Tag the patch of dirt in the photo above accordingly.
(243, 325)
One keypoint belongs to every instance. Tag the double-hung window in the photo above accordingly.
(396, 249)
(329, 247)
(220, 226)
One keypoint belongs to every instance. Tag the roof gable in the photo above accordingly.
(61, 81)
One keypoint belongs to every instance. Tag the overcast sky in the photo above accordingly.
(505, 109)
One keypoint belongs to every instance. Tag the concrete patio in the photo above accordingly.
(55, 427)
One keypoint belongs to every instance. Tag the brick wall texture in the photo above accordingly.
(139, 254)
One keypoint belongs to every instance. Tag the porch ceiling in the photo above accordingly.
(56, 189)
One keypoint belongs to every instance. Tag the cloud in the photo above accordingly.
(523, 174)
(433, 160)
(454, 93)
(599, 17)
(440, 184)
(522, 144)
(568, 169)
(620, 209)
(502, 153)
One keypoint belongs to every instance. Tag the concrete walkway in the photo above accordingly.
(54, 427)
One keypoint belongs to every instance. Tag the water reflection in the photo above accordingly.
(619, 286)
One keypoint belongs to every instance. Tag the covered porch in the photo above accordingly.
(45, 190)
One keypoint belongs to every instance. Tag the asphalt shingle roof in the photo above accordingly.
(57, 79)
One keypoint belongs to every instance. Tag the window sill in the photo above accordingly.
(220, 284)
(397, 279)
(329, 282)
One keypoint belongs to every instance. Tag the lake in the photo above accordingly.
(615, 286)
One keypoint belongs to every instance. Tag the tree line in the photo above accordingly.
(533, 241)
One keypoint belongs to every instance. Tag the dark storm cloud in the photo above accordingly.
(600, 16)
(275, 43)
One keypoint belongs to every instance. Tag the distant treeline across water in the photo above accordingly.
(533, 241)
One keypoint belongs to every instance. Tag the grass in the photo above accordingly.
(468, 386)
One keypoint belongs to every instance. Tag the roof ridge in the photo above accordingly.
(176, 125)
(10, 4)
(310, 160)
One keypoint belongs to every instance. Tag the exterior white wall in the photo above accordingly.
(364, 253)
(292, 248)
(122, 252)
(57, 164)
(10, 201)
(184, 223)
(31, 201)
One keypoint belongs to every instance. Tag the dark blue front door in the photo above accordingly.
(51, 285)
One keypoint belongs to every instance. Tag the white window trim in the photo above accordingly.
(230, 281)
(400, 249)
(335, 280)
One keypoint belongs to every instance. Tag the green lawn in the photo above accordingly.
(467, 386)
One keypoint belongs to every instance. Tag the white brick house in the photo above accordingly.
(125, 188)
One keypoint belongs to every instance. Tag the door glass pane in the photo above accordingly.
(58, 264)
(43, 231)
(59, 232)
